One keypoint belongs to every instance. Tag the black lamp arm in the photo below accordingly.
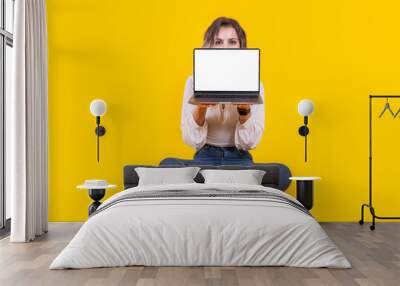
(303, 131)
(100, 131)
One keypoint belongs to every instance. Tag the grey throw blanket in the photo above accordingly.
(198, 194)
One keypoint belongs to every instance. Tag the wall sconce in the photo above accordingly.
(305, 108)
(98, 108)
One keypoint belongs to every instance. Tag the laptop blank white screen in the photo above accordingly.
(226, 70)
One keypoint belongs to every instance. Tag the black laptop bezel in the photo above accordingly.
(227, 91)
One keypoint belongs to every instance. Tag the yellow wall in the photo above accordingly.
(136, 55)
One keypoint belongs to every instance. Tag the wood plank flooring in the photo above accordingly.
(375, 257)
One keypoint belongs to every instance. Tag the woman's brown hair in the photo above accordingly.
(213, 30)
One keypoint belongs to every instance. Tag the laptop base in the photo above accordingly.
(237, 100)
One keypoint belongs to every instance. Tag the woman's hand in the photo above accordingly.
(205, 106)
(243, 106)
(199, 114)
(246, 108)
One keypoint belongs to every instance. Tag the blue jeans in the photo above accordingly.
(213, 155)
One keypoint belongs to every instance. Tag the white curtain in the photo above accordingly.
(26, 123)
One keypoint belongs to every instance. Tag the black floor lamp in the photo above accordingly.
(98, 108)
(305, 108)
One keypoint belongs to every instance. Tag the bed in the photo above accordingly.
(199, 224)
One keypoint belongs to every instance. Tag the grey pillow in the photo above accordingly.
(161, 176)
(249, 177)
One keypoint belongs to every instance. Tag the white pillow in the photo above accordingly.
(162, 176)
(249, 177)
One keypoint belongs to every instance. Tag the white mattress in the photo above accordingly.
(203, 231)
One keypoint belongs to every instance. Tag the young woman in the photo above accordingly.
(221, 133)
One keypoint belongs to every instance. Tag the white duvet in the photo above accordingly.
(200, 231)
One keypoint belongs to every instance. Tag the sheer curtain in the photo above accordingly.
(26, 123)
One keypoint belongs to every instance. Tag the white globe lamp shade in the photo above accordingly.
(98, 107)
(305, 107)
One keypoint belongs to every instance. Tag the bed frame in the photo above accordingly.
(276, 174)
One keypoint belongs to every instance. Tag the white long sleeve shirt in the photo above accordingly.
(221, 127)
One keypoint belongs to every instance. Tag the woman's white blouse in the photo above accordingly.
(221, 127)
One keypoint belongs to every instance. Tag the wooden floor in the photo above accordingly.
(375, 257)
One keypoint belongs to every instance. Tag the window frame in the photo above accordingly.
(6, 39)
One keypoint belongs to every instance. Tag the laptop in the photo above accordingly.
(226, 76)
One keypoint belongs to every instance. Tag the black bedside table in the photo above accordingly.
(96, 193)
(305, 190)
